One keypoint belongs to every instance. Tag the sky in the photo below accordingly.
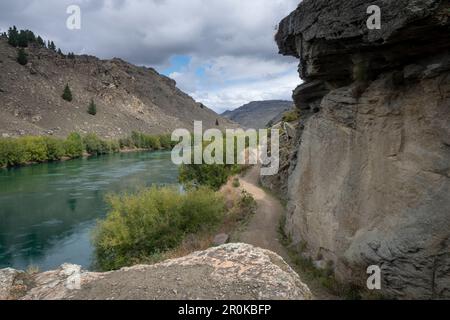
(221, 52)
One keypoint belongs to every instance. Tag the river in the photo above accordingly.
(48, 211)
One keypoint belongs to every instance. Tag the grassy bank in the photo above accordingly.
(34, 149)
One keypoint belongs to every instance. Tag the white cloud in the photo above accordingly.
(230, 82)
(232, 38)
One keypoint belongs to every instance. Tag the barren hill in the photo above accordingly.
(257, 114)
(127, 97)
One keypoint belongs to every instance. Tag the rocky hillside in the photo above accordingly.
(369, 177)
(258, 114)
(229, 272)
(127, 97)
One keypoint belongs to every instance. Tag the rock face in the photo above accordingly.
(233, 271)
(127, 97)
(370, 179)
(258, 114)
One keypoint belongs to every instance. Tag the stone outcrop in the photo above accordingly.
(128, 97)
(369, 183)
(233, 271)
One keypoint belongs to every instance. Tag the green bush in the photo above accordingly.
(35, 148)
(92, 109)
(55, 149)
(165, 141)
(114, 146)
(22, 57)
(126, 143)
(152, 221)
(74, 146)
(211, 175)
(12, 153)
(96, 146)
(291, 116)
(67, 94)
(144, 141)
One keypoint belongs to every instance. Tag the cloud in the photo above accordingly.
(229, 42)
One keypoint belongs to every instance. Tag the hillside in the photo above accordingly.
(258, 114)
(127, 97)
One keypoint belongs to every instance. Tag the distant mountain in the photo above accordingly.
(258, 114)
(127, 97)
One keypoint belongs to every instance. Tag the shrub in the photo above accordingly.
(92, 109)
(67, 94)
(291, 116)
(35, 148)
(96, 146)
(166, 141)
(55, 149)
(236, 183)
(93, 144)
(22, 57)
(152, 221)
(74, 146)
(12, 152)
(126, 143)
(114, 146)
(211, 175)
(144, 141)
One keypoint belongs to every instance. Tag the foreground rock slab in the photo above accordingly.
(233, 271)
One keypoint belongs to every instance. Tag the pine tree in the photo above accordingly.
(30, 36)
(67, 95)
(13, 36)
(60, 52)
(52, 46)
(22, 57)
(22, 39)
(92, 109)
(40, 41)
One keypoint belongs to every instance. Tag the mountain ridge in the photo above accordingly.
(258, 114)
(128, 97)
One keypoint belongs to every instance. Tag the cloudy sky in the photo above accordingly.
(219, 51)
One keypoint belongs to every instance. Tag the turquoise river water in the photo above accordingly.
(48, 211)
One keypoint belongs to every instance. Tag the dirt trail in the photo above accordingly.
(262, 229)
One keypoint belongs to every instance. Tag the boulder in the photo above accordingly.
(232, 271)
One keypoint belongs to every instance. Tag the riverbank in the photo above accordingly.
(24, 151)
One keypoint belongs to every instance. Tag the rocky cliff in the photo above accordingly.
(127, 97)
(233, 271)
(369, 180)
(258, 114)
